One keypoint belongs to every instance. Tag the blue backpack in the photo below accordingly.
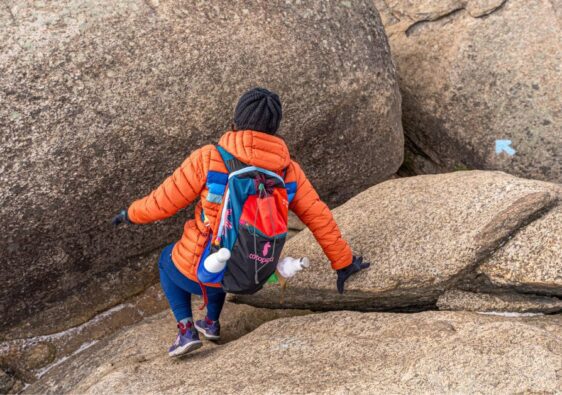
(253, 224)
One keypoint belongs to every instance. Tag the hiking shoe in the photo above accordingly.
(186, 341)
(209, 328)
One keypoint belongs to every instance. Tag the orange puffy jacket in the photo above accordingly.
(188, 182)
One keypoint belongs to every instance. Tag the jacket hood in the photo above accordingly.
(257, 149)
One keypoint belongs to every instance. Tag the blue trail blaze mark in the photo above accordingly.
(504, 146)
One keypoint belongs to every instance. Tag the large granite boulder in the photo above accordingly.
(100, 100)
(339, 352)
(473, 73)
(425, 235)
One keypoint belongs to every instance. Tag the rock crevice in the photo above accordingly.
(414, 27)
(409, 17)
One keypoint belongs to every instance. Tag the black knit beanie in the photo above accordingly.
(258, 109)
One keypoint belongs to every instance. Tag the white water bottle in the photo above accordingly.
(216, 262)
(288, 267)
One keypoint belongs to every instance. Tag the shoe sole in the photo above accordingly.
(186, 349)
(204, 333)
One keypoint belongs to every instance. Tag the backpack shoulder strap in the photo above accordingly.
(230, 161)
(291, 187)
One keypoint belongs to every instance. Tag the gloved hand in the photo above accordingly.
(357, 264)
(120, 218)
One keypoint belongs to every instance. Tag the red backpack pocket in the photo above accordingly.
(267, 214)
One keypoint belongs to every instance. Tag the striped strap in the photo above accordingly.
(230, 161)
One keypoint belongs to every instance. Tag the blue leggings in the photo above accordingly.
(178, 289)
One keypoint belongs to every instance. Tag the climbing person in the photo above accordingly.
(246, 185)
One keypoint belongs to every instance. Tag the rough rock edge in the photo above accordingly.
(414, 26)
(408, 25)
(459, 300)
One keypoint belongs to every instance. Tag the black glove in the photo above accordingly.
(121, 218)
(357, 264)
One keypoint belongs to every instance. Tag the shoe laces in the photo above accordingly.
(183, 327)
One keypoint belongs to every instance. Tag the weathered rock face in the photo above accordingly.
(424, 235)
(437, 352)
(531, 267)
(458, 300)
(30, 353)
(9, 385)
(101, 100)
(31, 358)
(472, 72)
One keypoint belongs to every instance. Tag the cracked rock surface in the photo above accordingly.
(475, 71)
(337, 352)
(424, 235)
(101, 100)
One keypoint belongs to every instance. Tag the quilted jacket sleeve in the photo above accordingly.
(176, 192)
(316, 215)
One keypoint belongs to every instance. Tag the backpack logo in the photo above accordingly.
(266, 248)
(262, 259)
